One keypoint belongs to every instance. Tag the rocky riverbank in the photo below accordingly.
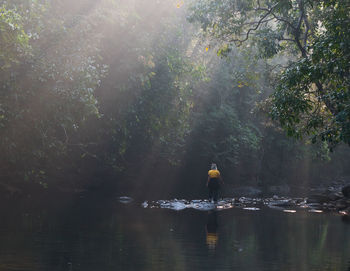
(331, 200)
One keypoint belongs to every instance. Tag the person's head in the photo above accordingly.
(213, 166)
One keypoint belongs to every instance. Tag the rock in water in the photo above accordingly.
(125, 199)
(318, 198)
(177, 206)
(204, 206)
(346, 191)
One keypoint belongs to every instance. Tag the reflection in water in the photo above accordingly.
(211, 229)
(93, 235)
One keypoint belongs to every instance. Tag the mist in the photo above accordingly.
(132, 97)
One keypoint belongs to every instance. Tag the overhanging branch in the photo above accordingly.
(261, 21)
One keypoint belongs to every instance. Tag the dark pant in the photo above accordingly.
(213, 186)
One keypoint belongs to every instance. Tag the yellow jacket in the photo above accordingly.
(214, 173)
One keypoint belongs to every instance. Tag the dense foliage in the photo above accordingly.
(47, 82)
(312, 93)
(128, 92)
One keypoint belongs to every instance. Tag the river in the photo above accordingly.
(107, 235)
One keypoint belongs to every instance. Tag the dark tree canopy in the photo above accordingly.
(312, 93)
(130, 93)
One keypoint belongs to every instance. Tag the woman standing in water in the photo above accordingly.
(213, 183)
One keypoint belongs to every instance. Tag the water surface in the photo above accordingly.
(93, 235)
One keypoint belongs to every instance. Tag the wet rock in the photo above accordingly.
(245, 200)
(125, 199)
(342, 203)
(346, 191)
(176, 205)
(205, 206)
(345, 215)
(289, 211)
(282, 202)
(335, 196)
(314, 205)
(315, 211)
(318, 198)
(332, 198)
(300, 201)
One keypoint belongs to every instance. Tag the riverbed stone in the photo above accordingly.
(318, 198)
(125, 199)
(341, 204)
(283, 203)
(333, 196)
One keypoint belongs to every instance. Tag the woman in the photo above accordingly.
(213, 183)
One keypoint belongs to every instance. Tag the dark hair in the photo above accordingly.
(213, 166)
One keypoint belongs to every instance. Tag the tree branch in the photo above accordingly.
(326, 100)
(269, 11)
(298, 30)
(283, 20)
(274, 15)
(301, 48)
(287, 39)
(301, 12)
(307, 27)
(257, 22)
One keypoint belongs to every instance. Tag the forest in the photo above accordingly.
(142, 96)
